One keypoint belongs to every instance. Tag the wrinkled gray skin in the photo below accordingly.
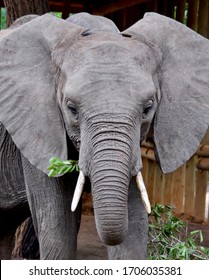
(107, 90)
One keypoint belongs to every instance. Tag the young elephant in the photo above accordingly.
(104, 90)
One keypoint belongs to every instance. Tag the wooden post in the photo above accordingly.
(202, 181)
(159, 185)
(165, 7)
(208, 207)
(124, 19)
(205, 140)
(168, 188)
(181, 4)
(200, 198)
(190, 187)
(66, 9)
(120, 17)
(145, 171)
(193, 6)
(152, 6)
(178, 189)
(170, 8)
(203, 18)
(150, 180)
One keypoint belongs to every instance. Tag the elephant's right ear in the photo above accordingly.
(182, 116)
(28, 101)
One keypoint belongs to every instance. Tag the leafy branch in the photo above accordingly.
(169, 238)
(61, 167)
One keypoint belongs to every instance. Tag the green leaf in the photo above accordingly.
(58, 166)
(70, 169)
(67, 162)
(194, 232)
(62, 171)
(52, 173)
(191, 243)
(197, 232)
(56, 161)
(51, 167)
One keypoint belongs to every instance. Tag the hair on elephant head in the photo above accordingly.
(106, 90)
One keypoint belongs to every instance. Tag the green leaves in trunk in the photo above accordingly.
(61, 167)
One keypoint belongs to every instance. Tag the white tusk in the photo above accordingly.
(78, 191)
(143, 191)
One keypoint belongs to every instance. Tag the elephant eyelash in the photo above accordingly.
(72, 109)
(147, 108)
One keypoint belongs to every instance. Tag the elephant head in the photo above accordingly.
(106, 90)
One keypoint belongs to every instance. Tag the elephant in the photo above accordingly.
(81, 89)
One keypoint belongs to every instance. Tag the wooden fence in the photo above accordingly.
(186, 188)
(193, 13)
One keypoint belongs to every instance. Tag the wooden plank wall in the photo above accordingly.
(186, 188)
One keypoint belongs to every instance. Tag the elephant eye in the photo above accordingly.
(147, 108)
(72, 109)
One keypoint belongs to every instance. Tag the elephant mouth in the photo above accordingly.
(80, 185)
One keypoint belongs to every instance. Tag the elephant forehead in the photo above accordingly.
(115, 66)
(110, 50)
(102, 77)
(98, 84)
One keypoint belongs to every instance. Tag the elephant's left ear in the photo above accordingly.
(182, 117)
(29, 67)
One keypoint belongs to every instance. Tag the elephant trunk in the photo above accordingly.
(113, 157)
(110, 176)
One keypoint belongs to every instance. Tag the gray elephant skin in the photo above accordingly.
(80, 85)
